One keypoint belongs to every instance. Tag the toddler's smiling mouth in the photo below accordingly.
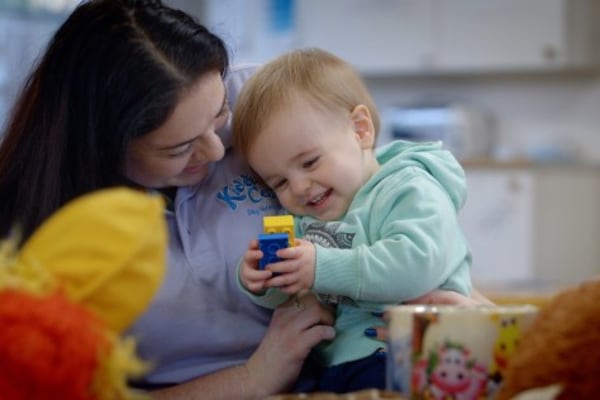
(316, 201)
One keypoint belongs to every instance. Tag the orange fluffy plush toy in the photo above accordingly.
(559, 355)
(70, 291)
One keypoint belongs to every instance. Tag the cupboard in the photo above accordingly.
(533, 224)
(453, 36)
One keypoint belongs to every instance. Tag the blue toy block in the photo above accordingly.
(269, 243)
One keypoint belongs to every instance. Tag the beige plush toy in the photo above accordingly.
(561, 348)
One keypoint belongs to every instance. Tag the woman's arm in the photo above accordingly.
(450, 297)
(296, 327)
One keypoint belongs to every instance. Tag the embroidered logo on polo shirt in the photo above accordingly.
(246, 188)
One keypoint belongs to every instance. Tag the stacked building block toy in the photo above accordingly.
(278, 233)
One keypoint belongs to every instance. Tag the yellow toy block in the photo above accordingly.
(280, 224)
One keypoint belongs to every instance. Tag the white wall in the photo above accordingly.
(531, 110)
(534, 110)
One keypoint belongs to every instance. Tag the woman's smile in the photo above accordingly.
(192, 169)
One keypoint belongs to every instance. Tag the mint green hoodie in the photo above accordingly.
(399, 239)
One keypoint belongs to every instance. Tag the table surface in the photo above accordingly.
(536, 294)
(369, 394)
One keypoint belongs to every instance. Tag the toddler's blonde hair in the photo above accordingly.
(322, 78)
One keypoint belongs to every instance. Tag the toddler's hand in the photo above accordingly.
(253, 278)
(296, 272)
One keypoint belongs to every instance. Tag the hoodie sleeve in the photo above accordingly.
(415, 245)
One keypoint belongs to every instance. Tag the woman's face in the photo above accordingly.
(179, 152)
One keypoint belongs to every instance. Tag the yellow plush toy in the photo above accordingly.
(69, 292)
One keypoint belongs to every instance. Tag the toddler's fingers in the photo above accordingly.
(291, 289)
(281, 280)
(257, 274)
(289, 252)
(252, 256)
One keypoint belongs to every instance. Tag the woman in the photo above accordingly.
(132, 93)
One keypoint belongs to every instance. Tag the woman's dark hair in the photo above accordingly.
(113, 71)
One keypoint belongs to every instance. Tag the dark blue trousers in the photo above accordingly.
(365, 373)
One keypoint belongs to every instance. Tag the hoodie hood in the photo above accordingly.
(429, 156)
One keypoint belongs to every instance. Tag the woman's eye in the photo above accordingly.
(279, 184)
(182, 152)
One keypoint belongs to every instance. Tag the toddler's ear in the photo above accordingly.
(106, 250)
(363, 126)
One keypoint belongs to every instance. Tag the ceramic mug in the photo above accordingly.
(453, 352)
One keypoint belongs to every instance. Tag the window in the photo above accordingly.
(25, 28)
(38, 6)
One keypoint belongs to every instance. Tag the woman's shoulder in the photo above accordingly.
(234, 80)
(236, 77)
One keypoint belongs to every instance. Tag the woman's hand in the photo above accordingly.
(449, 297)
(296, 327)
(434, 297)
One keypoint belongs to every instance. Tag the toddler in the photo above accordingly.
(374, 226)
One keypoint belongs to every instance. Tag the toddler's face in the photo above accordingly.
(315, 160)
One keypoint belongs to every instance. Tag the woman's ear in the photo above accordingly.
(363, 126)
